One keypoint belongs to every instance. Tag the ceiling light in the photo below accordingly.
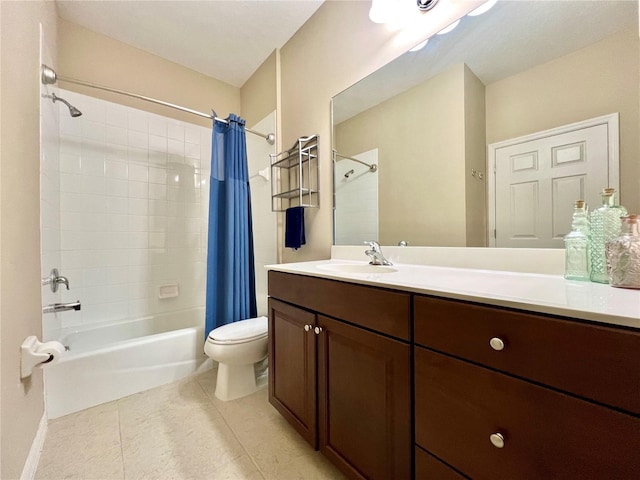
(449, 28)
(482, 8)
(420, 46)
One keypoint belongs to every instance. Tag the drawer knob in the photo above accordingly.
(496, 343)
(307, 328)
(318, 330)
(497, 439)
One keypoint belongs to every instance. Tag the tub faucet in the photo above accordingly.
(61, 307)
(375, 254)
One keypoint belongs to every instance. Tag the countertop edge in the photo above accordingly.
(632, 320)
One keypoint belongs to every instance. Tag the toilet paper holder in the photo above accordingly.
(34, 352)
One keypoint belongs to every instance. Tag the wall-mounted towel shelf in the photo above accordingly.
(295, 176)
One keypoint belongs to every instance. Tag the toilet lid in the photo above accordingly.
(243, 330)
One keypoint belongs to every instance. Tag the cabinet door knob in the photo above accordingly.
(497, 439)
(307, 328)
(318, 330)
(496, 343)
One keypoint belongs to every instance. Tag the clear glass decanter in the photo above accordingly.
(576, 243)
(623, 255)
(605, 224)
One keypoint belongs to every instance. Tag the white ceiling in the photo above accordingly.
(227, 40)
(512, 37)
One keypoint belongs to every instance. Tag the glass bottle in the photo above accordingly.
(605, 224)
(623, 255)
(576, 243)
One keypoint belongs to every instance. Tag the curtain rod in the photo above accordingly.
(373, 167)
(49, 77)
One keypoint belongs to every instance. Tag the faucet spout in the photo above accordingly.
(375, 254)
(62, 307)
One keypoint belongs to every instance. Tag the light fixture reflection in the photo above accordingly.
(420, 46)
(379, 11)
(448, 28)
(482, 8)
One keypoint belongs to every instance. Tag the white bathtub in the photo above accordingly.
(110, 362)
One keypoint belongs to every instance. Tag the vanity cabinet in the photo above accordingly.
(340, 371)
(507, 394)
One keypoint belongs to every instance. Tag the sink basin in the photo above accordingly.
(357, 268)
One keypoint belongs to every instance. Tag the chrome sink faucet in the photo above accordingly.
(375, 254)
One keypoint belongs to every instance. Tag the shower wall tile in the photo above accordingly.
(132, 192)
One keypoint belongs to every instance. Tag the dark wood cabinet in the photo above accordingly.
(341, 383)
(507, 394)
(393, 385)
(292, 367)
(364, 401)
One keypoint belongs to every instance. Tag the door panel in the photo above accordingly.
(537, 182)
(364, 416)
(292, 367)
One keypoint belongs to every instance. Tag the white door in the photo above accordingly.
(538, 178)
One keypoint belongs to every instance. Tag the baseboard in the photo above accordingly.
(31, 464)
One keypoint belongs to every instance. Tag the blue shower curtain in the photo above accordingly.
(231, 291)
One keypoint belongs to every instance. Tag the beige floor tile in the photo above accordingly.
(186, 441)
(84, 445)
(180, 431)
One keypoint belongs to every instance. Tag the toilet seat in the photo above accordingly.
(242, 331)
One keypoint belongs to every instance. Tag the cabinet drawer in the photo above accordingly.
(596, 362)
(430, 468)
(546, 434)
(384, 311)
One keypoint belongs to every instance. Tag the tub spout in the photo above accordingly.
(61, 307)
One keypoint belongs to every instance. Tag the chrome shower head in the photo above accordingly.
(73, 111)
(349, 173)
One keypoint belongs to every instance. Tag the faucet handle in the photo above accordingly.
(54, 279)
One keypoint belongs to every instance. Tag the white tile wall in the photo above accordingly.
(125, 198)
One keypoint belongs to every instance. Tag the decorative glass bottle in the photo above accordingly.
(623, 255)
(605, 224)
(576, 243)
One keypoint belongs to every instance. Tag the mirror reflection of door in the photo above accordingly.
(538, 177)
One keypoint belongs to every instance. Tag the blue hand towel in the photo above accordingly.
(294, 228)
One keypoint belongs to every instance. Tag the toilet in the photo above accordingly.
(238, 348)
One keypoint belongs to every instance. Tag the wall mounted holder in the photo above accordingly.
(36, 353)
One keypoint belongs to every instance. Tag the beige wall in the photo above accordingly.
(420, 136)
(20, 311)
(338, 46)
(258, 94)
(95, 58)
(475, 159)
(597, 80)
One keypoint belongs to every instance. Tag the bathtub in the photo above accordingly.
(110, 362)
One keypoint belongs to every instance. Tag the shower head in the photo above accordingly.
(349, 173)
(73, 111)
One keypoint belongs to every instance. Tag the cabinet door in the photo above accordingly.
(364, 401)
(292, 367)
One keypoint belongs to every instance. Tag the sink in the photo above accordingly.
(357, 268)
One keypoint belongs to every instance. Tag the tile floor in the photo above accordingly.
(180, 431)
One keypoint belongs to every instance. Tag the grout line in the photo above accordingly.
(124, 473)
(233, 432)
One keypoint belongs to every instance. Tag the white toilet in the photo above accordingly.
(237, 347)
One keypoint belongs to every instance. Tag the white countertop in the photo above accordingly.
(535, 292)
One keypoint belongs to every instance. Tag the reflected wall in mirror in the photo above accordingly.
(428, 117)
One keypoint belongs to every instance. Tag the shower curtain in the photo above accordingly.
(231, 291)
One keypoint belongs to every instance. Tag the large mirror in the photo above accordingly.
(435, 122)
